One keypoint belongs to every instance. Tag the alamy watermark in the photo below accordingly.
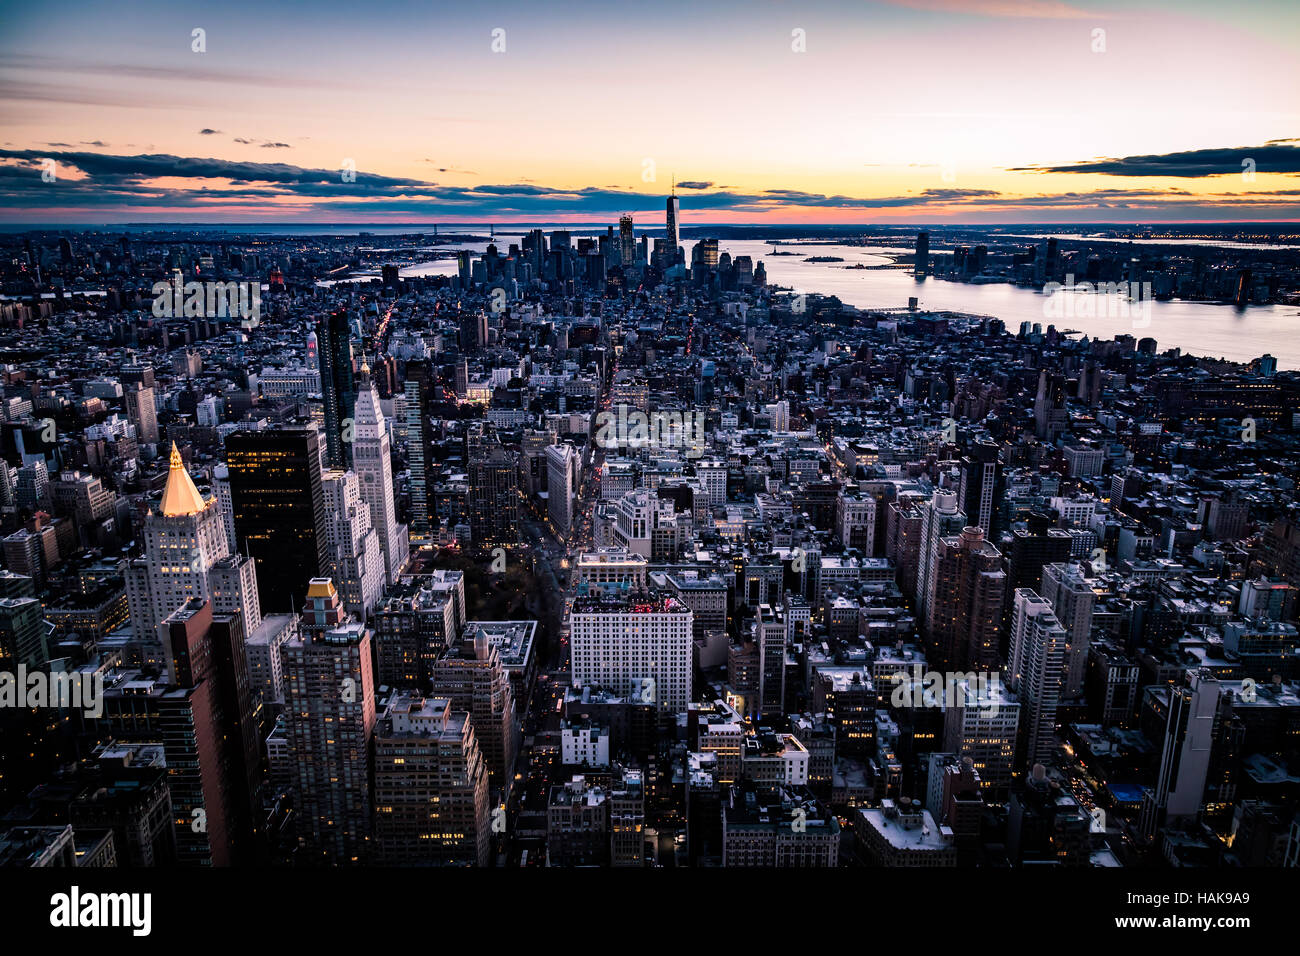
(210, 300)
(949, 689)
(62, 689)
(1087, 300)
(631, 428)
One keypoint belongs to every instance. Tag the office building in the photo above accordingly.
(639, 646)
(279, 510)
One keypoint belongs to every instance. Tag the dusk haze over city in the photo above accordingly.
(852, 440)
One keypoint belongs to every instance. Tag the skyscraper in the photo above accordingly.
(418, 392)
(330, 720)
(1036, 670)
(1032, 548)
(140, 410)
(371, 458)
(471, 676)
(279, 509)
(356, 563)
(206, 653)
(922, 265)
(770, 636)
(561, 467)
(1190, 713)
(1050, 414)
(233, 582)
(626, 241)
(967, 588)
(981, 473)
(673, 211)
(338, 389)
(982, 725)
(182, 541)
(1072, 600)
(22, 633)
(940, 517)
(494, 497)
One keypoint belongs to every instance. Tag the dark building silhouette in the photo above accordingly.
(207, 657)
(278, 510)
(337, 384)
(494, 497)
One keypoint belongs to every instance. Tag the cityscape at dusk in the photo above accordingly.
(840, 437)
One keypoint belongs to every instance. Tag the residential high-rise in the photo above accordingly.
(940, 517)
(181, 540)
(356, 563)
(904, 527)
(982, 724)
(1072, 599)
(413, 626)
(639, 647)
(431, 786)
(372, 461)
(279, 510)
(470, 674)
(338, 388)
(1036, 671)
(967, 587)
(330, 720)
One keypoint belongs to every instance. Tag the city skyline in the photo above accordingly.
(988, 112)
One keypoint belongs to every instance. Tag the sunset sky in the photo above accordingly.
(907, 111)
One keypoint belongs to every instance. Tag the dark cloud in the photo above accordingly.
(209, 132)
(276, 146)
(155, 165)
(694, 184)
(129, 183)
(1272, 157)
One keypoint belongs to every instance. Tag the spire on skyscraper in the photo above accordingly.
(180, 497)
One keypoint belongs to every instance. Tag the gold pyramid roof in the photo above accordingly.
(180, 497)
